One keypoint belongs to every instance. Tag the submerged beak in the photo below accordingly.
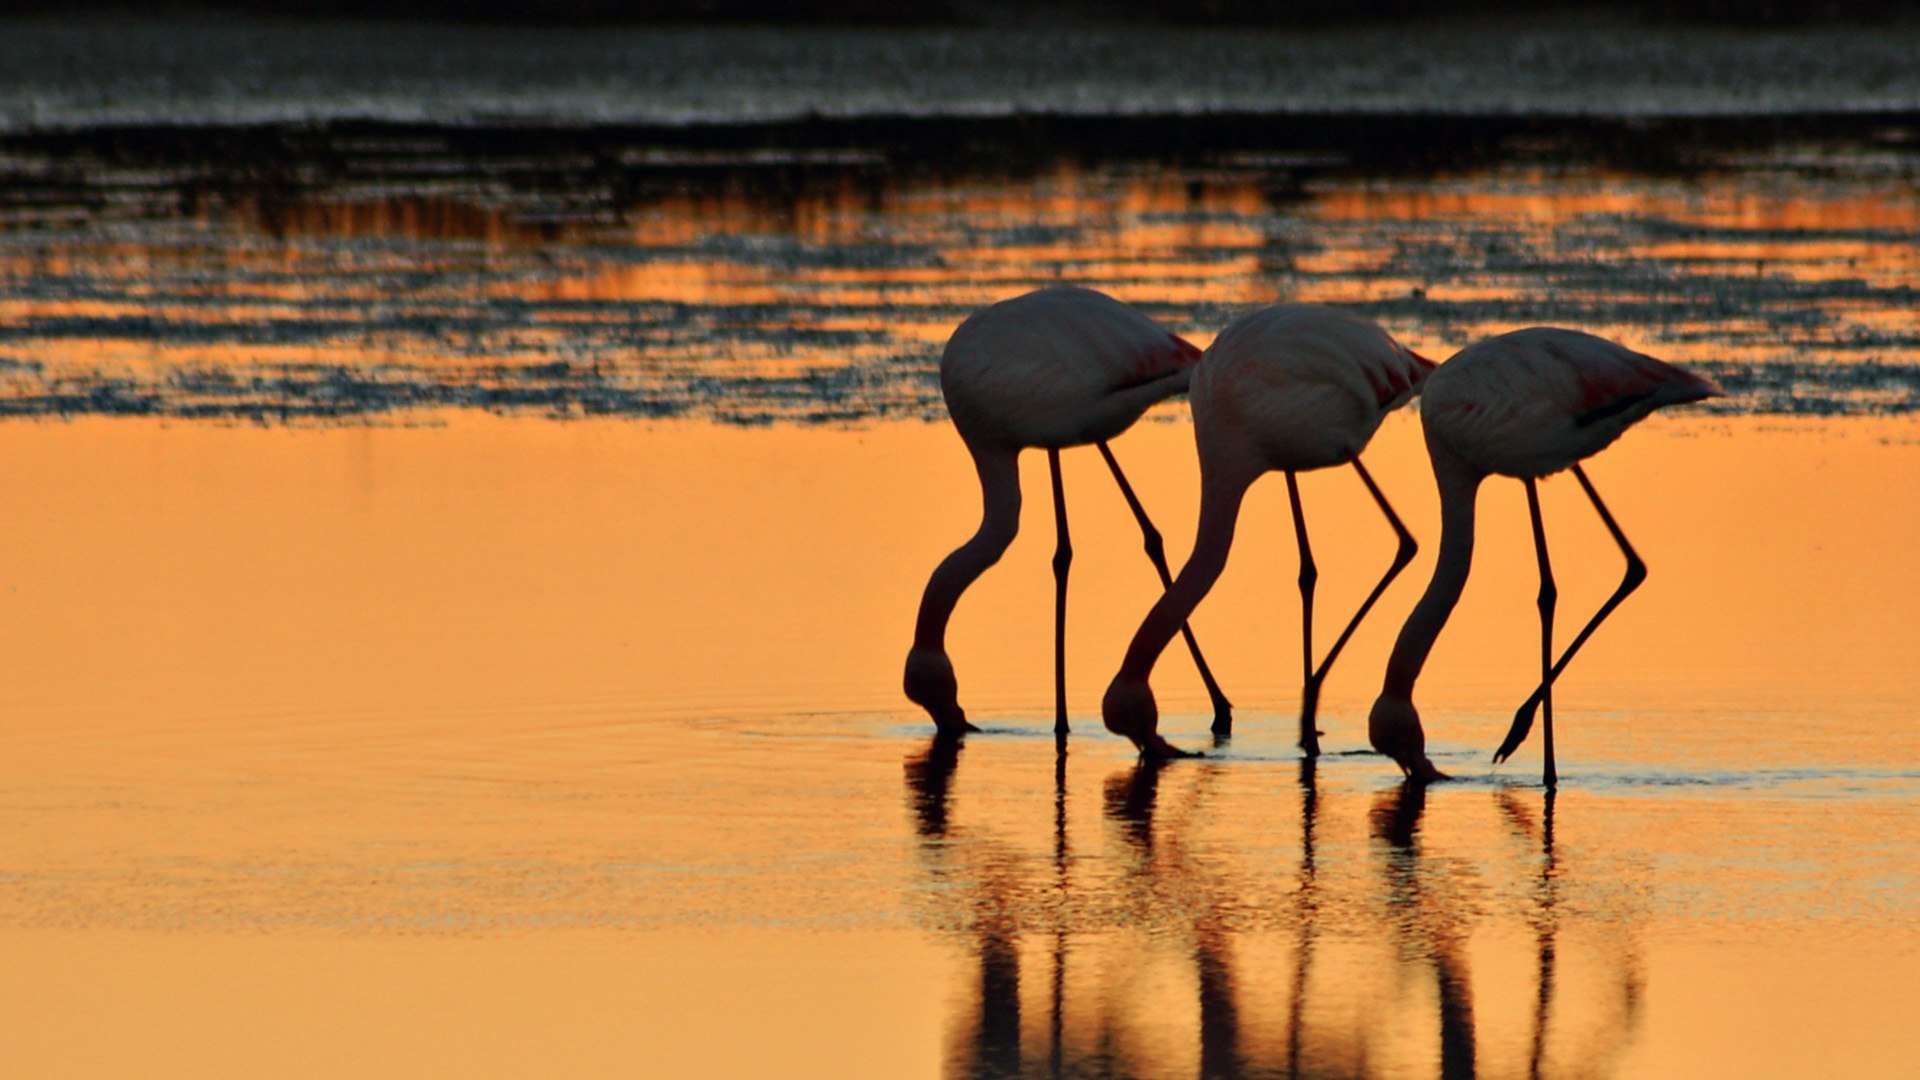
(1422, 771)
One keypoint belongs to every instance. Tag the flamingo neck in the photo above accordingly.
(1220, 500)
(999, 471)
(1459, 489)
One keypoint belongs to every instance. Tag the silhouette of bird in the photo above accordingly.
(1054, 368)
(1287, 388)
(1524, 404)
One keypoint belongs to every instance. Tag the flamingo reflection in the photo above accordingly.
(1306, 914)
(1428, 920)
(991, 1047)
(1171, 873)
(1545, 921)
(1610, 1034)
(1154, 948)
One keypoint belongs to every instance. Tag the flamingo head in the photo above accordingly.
(930, 684)
(1129, 709)
(1394, 729)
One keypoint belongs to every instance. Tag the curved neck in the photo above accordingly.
(1459, 488)
(999, 471)
(1220, 499)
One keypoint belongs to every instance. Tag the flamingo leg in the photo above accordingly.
(1549, 594)
(1309, 576)
(1401, 557)
(1636, 573)
(1157, 552)
(1062, 560)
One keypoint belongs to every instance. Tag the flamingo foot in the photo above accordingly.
(1521, 728)
(1309, 720)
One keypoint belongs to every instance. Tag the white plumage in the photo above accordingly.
(1285, 388)
(1532, 402)
(1297, 387)
(1524, 404)
(1055, 368)
(1059, 367)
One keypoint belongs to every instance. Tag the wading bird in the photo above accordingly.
(1054, 368)
(1524, 404)
(1285, 388)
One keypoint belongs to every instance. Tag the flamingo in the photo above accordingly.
(1525, 404)
(1284, 388)
(1054, 368)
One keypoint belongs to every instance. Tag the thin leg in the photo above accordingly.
(1548, 595)
(1635, 574)
(1309, 575)
(1401, 557)
(1062, 560)
(1157, 552)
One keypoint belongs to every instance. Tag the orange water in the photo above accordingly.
(493, 746)
(496, 745)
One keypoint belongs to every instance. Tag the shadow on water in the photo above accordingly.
(1351, 973)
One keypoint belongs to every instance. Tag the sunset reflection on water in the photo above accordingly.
(830, 301)
(1398, 960)
(514, 745)
(495, 696)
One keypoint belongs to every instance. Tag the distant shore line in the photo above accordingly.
(304, 154)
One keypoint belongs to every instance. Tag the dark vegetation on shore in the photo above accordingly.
(627, 164)
(1301, 13)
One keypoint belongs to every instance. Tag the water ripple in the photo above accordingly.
(563, 273)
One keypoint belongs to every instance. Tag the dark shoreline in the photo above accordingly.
(627, 164)
(594, 14)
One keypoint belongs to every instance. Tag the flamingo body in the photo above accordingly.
(1532, 402)
(1284, 388)
(1524, 404)
(1297, 387)
(1058, 367)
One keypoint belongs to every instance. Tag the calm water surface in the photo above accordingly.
(478, 648)
(484, 738)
